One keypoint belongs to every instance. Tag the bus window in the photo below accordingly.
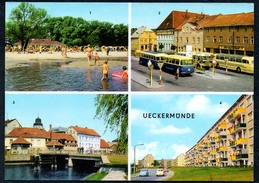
(245, 61)
(186, 62)
(222, 57)
(232, 58)
(239, 59)
(177, 62)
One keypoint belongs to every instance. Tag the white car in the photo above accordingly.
(160, 172)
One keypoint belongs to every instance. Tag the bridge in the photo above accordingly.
(59, 160)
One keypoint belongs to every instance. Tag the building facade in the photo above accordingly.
(166, 34)
(144, 39)
(88, 140)
(10, 125)
(180, 160)
(230, 141)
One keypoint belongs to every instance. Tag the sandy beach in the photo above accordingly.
(75, 59)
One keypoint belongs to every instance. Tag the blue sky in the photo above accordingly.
(167, 138)
(57, 109)
(115, 13)
(147, 14)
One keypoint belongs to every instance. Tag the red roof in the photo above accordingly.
(20, 140)
(28, 133)
(176, 18)
(87, 131)
(104, 144)
(58, 136)
(54, 143)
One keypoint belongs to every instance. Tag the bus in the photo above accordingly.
(203, 60)
(172, 62)
(237, 63)
(187, 54)
(154, 57)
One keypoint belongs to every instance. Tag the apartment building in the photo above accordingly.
(230, 141)
(146, 162)
(180, 160)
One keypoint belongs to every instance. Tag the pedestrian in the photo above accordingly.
(108, 50)
(177, 73)
(125, 72)
(96, 59)
(89, 53)
(105, 70)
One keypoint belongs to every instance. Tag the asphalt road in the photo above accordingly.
(152, 176)
(233, 82)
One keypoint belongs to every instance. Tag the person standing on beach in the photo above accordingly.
(105, 70)
(89, 53)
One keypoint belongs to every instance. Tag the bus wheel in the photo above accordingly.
(238, 69)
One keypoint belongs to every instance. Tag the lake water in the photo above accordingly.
(27, 173)
(49, 76)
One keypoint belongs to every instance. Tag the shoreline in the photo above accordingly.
(77, 59)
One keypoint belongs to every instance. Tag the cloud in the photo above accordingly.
(178, 149)
(170, 130)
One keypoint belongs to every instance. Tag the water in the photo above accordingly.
(49, 76)
(27, 173)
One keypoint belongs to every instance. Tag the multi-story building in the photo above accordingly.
(232, 34)
(166, 30)
(144, 39)
(180, 160)
(88, 139)
(166, 162)
(146, 162)
(230, 141)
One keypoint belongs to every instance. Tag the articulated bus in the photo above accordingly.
(154, 57)
(172, 62)
(237, 63)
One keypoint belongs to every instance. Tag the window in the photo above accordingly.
(181, 39)
(193, 40)
(251, 132)
(252, 40)
(214, 39)
(237, 39)
(198, 40)
(38, 142)
(208, 39)
(187, 40)
(220, 39)
(229, 39)
(245, 40)
(250, 116)
(249, 100)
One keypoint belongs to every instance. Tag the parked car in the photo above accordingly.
(165, 169)
(160, 172)
(143, 173)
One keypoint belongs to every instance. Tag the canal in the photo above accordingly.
(55, 76)
(28, 173)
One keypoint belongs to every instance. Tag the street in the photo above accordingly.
(233, 82)
(152, 176)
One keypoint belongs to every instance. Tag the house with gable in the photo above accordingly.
(166, 30)
(144, 39)
(88, 140)
(105, 147)
(11, 124)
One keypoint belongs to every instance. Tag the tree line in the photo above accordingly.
(27, 22)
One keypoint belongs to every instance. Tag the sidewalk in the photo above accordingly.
(144, 80)
(115, 174)
(210, 75)
(105, 159)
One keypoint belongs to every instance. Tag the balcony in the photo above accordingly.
(222, 137)
(232, 143)
(231, 130)
(223, 159)
(241, 156)
(213, 152)
(233, 157)
(241, 141)
(212, 143)
(223, 148)
(240, 126)
(237, 113)
(222, 126)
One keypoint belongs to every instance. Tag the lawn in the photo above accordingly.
(118, 159)
(212, 174)
(97, 176)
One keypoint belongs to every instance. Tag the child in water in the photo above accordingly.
(105, 70)
(96, 59)
(125, 72)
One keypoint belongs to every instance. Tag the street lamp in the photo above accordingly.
(135, 156)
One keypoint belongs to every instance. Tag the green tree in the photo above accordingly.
(26, 22)
(114, 110)
(161, 46)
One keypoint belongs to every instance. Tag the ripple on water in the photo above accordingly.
(52, 77)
